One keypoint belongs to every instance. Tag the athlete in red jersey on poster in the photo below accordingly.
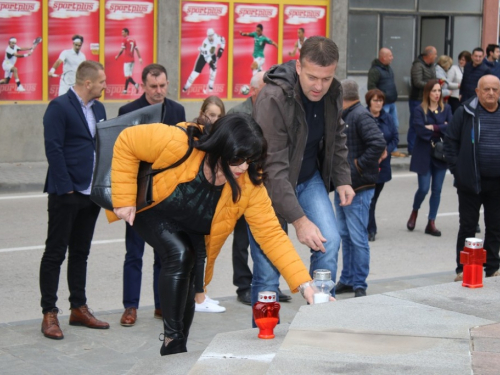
(129, 47)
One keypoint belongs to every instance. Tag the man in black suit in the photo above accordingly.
(69, 132)
(155, 87)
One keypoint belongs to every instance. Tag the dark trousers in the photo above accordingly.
(72, 219)
(372, 223)
(198, 242)
(454, 103)
(468, 208)
(132, 270)
(176, 281)
(242, 276)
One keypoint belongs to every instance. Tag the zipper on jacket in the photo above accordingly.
(474, 153)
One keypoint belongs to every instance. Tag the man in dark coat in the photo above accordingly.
(69, 126)
(473, 71)
(471, 147)
(155, 86)
(366, 145)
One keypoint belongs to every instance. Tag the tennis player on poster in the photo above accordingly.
(9, 62)
(71, 59)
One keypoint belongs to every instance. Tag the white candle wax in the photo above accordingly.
(321, 298)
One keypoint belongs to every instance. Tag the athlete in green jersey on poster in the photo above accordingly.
(260, 42)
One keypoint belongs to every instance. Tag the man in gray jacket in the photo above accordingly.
(299, 110)
(422, 70)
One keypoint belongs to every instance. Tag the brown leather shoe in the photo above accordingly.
(432, 230)
(158, 314)
(129, 317)
(50, 325)
(412, 220)
(81, 316)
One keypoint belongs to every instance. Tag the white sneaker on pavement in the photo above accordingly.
(20, 88)
(208, 307)
(207, 298)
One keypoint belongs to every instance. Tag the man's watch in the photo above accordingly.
(302, 288)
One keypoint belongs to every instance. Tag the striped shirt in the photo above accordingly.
(488, 147)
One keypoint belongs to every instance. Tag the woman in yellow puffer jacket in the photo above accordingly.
(219, 181)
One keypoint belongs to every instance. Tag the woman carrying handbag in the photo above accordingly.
(431, 120)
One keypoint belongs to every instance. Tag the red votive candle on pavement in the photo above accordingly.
(266, 314)
(473, 257)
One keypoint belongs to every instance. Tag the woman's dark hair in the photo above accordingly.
(373, 93)
(466, 55)
(234, 135)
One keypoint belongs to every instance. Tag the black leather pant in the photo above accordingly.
(176, 281)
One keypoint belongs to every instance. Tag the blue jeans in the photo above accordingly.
(424, 183)
(392, 110)
(413, 104)
(353, 222)
(314, 200)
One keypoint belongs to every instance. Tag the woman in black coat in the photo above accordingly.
(375, 100)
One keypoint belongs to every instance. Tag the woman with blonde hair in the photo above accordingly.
(443, 65)
(431, 120)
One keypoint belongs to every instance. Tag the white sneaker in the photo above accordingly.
(136, 88)
(208, 307)
(20, 88)
(207, 298)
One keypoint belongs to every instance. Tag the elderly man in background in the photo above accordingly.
(473, 160)
(366, 144)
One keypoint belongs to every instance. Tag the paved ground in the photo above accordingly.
(401, 260)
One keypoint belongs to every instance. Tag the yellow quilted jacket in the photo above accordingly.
(164, 145)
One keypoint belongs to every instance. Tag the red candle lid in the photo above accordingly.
(267, 296)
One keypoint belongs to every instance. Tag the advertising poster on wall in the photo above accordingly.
(255, 47)
(21, 48)
(301, 22)
(129, 46)
(204, 34)
(73, 38)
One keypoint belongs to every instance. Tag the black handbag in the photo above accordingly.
(106, 135)
(437, 150)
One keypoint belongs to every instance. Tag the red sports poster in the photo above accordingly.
(256, 28)
(301, 22)
(20, 26)
(129, 46)
(204, 34)
(73, 38)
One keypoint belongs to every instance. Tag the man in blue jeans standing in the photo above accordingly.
(366, 145)
(299, 110)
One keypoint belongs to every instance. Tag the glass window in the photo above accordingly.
(362, 41)
(382, 4)
(469, 6)
(469, 31)
(398, 34)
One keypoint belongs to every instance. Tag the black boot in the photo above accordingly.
(173, 347)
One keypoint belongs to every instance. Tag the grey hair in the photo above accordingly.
(257, 80)
(350, 89)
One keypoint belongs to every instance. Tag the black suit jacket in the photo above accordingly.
(69, 146)
(173, 114)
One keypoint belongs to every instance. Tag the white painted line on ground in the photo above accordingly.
(12, 249)
(23, 196)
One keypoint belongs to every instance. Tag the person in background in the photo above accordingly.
(375, 102)
(473, 160)
(422, 70)
(472, 72)
(367, 148)
(443, 65)
(431, 120)
(129, 48)
(218, 179)
(211, 110)
(455, 75)
(69, 128)
(155, 86)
